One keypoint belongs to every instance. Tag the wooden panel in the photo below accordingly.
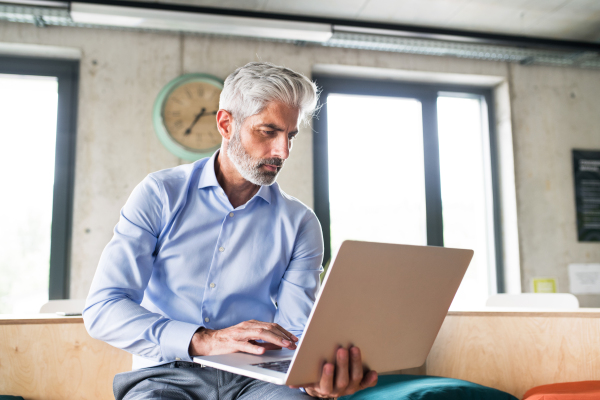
(10, 319)
(528, 312)
(409, 371)
(517, 352)
(50, 357)
(57, 361)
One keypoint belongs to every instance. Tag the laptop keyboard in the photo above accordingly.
(279, 366)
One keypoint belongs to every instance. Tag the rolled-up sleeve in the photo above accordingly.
(113, 312)
(300, 283)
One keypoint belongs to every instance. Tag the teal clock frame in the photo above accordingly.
(160, 129)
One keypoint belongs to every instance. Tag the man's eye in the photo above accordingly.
(269, 132)
(292, 136)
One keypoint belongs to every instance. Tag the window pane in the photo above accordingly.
(466, 194)
(376, 175)
(28, 111)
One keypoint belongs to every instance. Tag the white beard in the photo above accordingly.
(248, 166)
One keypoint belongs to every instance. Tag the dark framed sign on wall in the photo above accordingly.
(586, 169)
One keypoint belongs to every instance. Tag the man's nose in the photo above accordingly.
(282, 147)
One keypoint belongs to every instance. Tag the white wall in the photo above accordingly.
(122, 72)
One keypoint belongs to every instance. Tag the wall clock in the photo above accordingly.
(184, 116)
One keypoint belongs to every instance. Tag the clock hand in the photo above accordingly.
(188, 130)
(210, 113)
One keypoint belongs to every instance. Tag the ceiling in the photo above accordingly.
(556, 19)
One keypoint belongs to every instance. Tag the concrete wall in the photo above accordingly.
(553, 110)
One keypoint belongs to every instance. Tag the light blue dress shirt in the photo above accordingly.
(182, 258)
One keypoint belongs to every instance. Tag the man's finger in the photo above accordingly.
(326, 383)
(269, 326)
(369, 380)
(286, 333)
(266, 346)
(289, 335)
(278, 330)
(248, 347)
(341, 370)
(270, 336)
(356, 367)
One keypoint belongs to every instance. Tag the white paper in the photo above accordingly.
(584, 278)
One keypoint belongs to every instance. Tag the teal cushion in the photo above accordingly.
(5, 397)
(421, 387)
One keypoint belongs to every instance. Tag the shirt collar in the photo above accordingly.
(208, 178)
(265, 193)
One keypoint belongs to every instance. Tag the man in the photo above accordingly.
(212, 257)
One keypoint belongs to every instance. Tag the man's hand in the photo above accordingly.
(241, 337)
(344, 378)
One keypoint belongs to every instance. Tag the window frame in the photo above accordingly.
(67, 73)
(427, 94)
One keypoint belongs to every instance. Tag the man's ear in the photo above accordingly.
(225, 124)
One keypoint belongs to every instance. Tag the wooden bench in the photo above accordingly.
(516, 350)
(53, 358)
(49, 357)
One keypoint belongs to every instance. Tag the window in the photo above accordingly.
(411, 164)
(38, 100)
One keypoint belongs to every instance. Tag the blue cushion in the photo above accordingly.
(421, 387)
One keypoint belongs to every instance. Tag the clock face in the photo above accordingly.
(184, 116)
(189, 115)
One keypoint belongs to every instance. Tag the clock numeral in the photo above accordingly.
(176, 100)
(178, 123)
(188, 93)
(175, 113)
(200, 92)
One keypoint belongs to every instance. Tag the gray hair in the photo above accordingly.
(249, 89)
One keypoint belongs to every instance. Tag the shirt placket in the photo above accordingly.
(220, 255)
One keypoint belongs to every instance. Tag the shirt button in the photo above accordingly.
(221, 249)
(177, 359)
(231, 214)
(212, 285)
(206, 319)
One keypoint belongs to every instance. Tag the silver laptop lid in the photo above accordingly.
(389, 300)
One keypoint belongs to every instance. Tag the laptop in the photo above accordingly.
(390, 300)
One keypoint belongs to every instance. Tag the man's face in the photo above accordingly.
(260, 146)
